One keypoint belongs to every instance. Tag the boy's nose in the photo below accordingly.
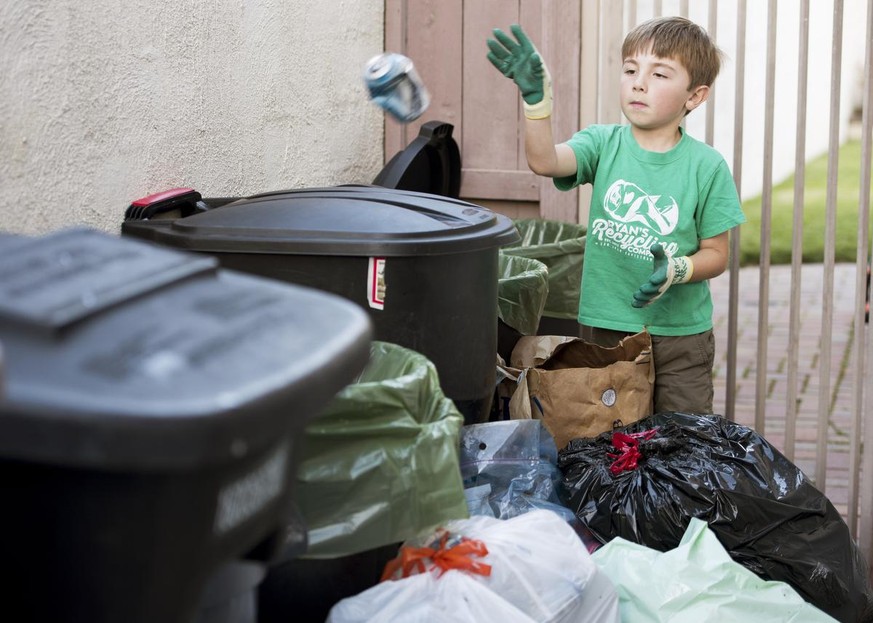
(639, 83)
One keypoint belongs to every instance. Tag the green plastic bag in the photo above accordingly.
(560, 246)
(380, 465)
(697, 581)
(522, 288)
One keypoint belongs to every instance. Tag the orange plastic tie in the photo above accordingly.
(413, 560)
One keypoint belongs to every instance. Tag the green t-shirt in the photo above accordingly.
(640, 197)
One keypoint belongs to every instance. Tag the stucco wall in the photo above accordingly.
(103, 102)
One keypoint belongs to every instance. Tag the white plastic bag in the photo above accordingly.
(538, 563)
(539, 568)
(454, 597)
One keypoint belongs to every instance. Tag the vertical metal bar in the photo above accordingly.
(658, 8)
(865, 536)
(824, 388)
(683, 8)
(766, 220)
(712, 29)
(734, 286)
(797, 233)
(856, 476)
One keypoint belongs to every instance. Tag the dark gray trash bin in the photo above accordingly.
(148, 418)
(424, 266)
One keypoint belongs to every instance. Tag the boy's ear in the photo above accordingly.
(696, 97)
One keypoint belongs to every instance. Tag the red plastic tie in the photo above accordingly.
(628, 445)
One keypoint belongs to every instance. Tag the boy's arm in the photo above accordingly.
(543, 156)
(519, 60)
(710, 260)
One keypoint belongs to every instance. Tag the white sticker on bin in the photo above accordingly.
(376, 283)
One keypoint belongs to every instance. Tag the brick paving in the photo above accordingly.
(808, 372)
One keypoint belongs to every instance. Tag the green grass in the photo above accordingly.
(814, 200)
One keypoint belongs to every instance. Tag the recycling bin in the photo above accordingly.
(425, 267)
(522, 290)
(561, 247)
(148, 420)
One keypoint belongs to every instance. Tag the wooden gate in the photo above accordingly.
(446, 41)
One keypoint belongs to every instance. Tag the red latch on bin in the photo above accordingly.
(185, 199)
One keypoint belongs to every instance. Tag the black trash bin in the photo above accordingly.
(424, 266)
(148, 418)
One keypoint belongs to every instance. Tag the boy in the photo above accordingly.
(662, 204)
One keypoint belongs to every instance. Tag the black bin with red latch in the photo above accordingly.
(424, 266)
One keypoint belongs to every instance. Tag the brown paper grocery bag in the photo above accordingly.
(580, 389)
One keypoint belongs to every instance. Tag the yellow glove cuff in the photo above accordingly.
(682, 269)
(542, 108)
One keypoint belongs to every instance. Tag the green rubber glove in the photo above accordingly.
(519, 60)
(667, 271)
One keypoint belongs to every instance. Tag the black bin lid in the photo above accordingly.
(342, 220)
(122, 354)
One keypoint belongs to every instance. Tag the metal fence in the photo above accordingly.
(605, 22)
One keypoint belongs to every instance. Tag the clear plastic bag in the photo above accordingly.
(517, 459)
(510, 468)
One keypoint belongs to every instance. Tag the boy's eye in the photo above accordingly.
(660, 75)
(629, 72)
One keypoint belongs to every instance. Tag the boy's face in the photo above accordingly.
(654, 91)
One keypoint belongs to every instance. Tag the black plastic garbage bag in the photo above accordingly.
(645, 482)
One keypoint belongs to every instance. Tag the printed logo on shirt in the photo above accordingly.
(627, 203)
(637, 220)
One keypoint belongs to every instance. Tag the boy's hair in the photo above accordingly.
(680, 39)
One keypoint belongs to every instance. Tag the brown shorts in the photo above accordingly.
(683, 368)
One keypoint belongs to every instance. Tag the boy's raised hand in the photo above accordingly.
(519, 60)
(667, 271)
